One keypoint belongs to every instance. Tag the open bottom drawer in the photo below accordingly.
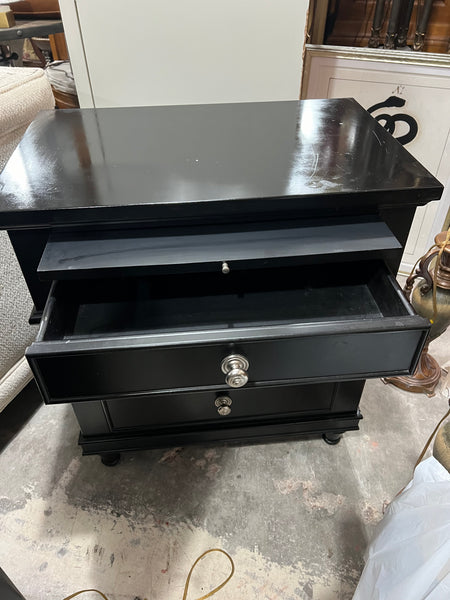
(100, 339)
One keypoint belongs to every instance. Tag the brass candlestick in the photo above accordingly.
(431, 299)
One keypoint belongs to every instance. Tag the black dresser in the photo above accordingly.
(214, 273)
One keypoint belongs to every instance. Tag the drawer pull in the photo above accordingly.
(223, 404)
(235, 368)
(225, 268)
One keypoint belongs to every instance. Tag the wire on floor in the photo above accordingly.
(188, 579)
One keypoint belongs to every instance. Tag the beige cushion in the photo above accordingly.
(15, 309)
(14, 381)
(23, 93)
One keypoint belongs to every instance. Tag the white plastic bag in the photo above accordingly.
(409, 557)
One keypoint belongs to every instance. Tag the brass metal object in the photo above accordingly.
(419, 41)
(441, 446)
(443, 268)
(235, 368)
(377, 24)
(375, 40)
(223, 404)
(439, 275)
(389, 42)
(431, 299)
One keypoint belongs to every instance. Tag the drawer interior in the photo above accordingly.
(213, 301)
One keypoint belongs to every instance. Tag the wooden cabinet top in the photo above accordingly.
(175, 162)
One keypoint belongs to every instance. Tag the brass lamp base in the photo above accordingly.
(425, 377)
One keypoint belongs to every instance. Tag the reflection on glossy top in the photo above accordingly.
(126, 160)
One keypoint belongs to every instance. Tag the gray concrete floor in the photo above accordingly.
(296, 517)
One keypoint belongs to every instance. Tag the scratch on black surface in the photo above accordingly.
(316, 154)
(379, 141)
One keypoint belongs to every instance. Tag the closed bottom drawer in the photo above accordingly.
(159, 411)
(103, 339)
(265, 414)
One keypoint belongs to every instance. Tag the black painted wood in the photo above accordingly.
(286, 411)
(105, 255)
(67, 377)
(8, 590)
(93, 346)
(130, 212)
(92, 417)
(250, 404)
(178, 162)
(247, 433)
(28, 246)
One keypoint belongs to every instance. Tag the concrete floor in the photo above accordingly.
(296, 517)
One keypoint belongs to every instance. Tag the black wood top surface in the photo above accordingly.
(129, 164)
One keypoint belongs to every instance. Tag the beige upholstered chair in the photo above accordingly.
(23, 93)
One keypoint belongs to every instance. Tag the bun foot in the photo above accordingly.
(332, 438)
(111, 459)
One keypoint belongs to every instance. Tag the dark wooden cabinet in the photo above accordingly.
(214, 273)
(353, 21)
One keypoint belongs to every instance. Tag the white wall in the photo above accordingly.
(154, 52)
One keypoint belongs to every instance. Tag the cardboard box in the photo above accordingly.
(6, 17)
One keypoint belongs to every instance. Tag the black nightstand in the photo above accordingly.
(214, 273)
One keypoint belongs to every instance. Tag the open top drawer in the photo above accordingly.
(150, 334)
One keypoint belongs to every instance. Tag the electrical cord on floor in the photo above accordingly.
(188, 579)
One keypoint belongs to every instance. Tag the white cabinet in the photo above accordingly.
(155, 52)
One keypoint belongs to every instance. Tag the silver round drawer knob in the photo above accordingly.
(223, 404)
(235, 367)
(224, 411)
(236, 378)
